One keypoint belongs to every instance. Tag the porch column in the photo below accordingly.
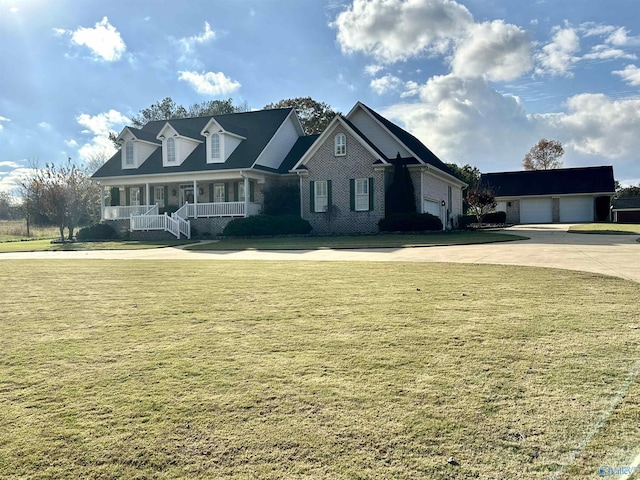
(195, 199)
(246, 196)
(146, 194)
(101, 202)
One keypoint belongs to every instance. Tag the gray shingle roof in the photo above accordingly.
(257, 127)
(627, 202)
(550, 182)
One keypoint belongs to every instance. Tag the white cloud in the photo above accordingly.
(209, 83)
(190, 42)
(387, 83)
(558, 56)
(3, 119)
(372, 70)
(14, 9)
(411, 89)
(605, 52)
(620, 38)
(10, 181)
(494, 50)
(45, 125)
(630, 74)
(99, 126)
(9, 164)
(395, 30)
(103, 40)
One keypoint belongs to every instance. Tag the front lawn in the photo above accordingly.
(607, 228)
(275, 370)
(47, 246)
(358, 241)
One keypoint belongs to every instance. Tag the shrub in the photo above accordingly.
(266, 225)
(410, 222)
(98, 231)
(464, 221)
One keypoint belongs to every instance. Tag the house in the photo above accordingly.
(552, 196)
(626, 210)
(171, 175)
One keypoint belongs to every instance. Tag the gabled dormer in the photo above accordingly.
(136, 146)
(221, 142)
(176, 145)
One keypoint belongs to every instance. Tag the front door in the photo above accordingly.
(186, 194)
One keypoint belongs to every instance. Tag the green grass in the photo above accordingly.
(607, 228)
(359, 241)
(168, 369)
(47, 246)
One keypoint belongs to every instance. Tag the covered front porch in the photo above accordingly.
(195, 199)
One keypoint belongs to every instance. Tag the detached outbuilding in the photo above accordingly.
(563, 195)
(626, 210)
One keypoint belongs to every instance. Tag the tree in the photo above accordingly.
(630, 191)
(314, 116)
(400, 195)
(544, 155)
(481, 202)
(468, 174)
(7, 206)
(65, 195)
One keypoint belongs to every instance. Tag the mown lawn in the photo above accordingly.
(47, 246)
(358, 241)
(168, 369)
(607, 228)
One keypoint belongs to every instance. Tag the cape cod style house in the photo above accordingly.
(171, 175)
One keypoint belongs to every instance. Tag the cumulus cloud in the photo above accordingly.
(494, 50)
(190, 42)
(387, 83)
(395, 30)
(605, 52)
(10, 180)
(372, 70)
(630, 74)
(209, 83)
(3, 119)
(559, 56)
(99, 127)
(103, 40)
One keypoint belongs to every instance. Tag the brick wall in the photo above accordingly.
(358, 163)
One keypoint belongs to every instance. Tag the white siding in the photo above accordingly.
(184, 148)
(378, 135)
(144, 151)
(280, 145)
(230, 143)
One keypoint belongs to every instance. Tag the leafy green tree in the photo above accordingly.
(468, 174)
(544, 155)
(626, 192)
(314, 116)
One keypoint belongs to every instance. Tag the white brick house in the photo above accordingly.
(206, 171)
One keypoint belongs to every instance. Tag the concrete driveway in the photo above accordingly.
(549, 246)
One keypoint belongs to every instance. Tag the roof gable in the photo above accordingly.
(559, 181)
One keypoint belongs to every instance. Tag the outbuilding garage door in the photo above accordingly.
(432, 207)
(576, 209)
(535, 210)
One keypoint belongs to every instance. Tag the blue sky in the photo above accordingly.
(478, 81)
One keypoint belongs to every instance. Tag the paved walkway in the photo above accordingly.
(548, 246)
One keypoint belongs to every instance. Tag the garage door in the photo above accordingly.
(432, 207)
(576, 209)
(535, 210)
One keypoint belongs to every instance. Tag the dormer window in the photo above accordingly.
(128, 153)
(171, 150)
(215, 147)
(340, 145)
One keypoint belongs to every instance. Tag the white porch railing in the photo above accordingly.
(217, 209)
(121, 212)
(175, 225)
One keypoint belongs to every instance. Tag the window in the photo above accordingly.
(128, 153)
(340, 144)
(134, 195)
(171, 150)
(321, 196)
(362, 194)
(241, 196)
(158, 195)
(215, 146)
(218, 192)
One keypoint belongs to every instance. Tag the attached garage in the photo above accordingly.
(576, 209)
(431, 207)
(536, 210)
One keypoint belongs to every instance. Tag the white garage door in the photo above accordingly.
(535, 210)
(431, 207)
(576, 209)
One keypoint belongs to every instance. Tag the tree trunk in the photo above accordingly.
(28, 230)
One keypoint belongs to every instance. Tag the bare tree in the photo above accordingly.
(544, 155)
